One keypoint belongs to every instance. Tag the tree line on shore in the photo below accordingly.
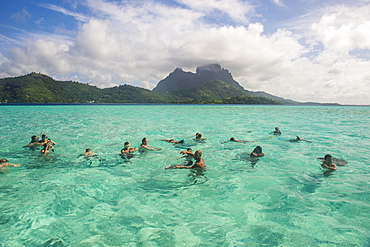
(39, 88)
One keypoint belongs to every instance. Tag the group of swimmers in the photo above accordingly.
(192, 160)
(327, 163)
(127, 153)
(45, 142)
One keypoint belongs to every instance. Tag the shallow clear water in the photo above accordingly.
(285, 200)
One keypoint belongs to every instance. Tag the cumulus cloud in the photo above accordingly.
(142, 43)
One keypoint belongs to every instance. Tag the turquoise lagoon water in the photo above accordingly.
(285, 200)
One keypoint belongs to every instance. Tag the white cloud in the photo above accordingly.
(235, 9)
(141, 44)
(147, 85)
(56, 8)
(21, 17)
(279, 3)
(342, 30)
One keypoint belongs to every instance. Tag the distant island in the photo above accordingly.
(211, 84)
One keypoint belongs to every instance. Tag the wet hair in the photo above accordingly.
(126, 143)
(3, 160)
(182, 141)
(328, 156)
(143, 140)
(88, 150)
(232, 139)
(258, 150)
(189, 149)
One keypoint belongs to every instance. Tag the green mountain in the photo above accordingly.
(219, 92)
(39, 88)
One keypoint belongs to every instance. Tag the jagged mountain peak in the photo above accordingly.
(180, 80)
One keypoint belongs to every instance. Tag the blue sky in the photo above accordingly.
(302, 50)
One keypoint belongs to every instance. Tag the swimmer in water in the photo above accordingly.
(33, 143)
(43, 140)
(199, 162)
(257, 152)
(232, 139)
(173, 141)
(4, 166)
(49, 145)
(199, 138)
(88, 153)
(144, 147)
(188, 156)
(297, 139)
(328, 164)
(254, 155)
(126, 152)
(276, 131)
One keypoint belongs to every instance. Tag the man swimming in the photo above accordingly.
(88, 153)
(4, 166)
(257, 152)
(297, 139)
(49, 145)
(199, 161)
(144, 147)
(173, 141)
(188, 157)
(276, 131)
(328, 164)
(126, 152)
(33, 143)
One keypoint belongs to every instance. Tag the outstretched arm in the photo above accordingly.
(178, 167)
(10, 164)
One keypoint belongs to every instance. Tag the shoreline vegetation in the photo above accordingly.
(36, 88)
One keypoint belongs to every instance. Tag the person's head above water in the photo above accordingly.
(328, 157)
(189, 149)
(144, 141)
(198, 154)
(87, 150)
(198, 136)
(232, 139)
(3, 160)
(257, 150)
(126, 144)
